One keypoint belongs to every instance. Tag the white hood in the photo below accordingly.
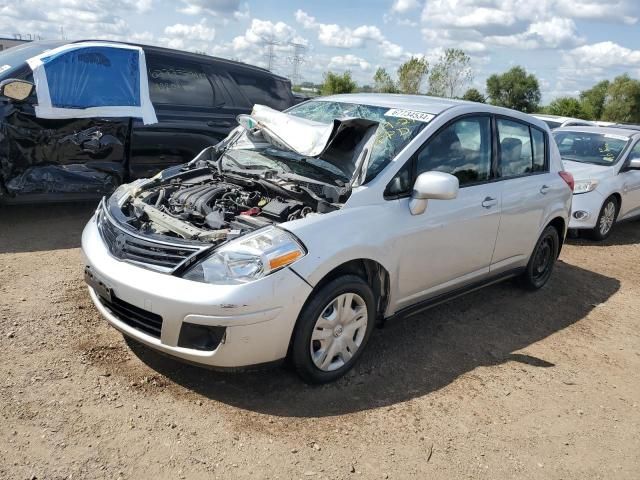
(587, 171)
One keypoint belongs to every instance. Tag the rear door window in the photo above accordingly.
(173, 81)
(516, 152)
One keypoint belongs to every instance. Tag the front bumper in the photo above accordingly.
(259, 316)
(587, 207)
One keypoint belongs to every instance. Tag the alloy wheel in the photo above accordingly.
(607, 218)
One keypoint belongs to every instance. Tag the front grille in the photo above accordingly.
(149, 253)
(138, 318)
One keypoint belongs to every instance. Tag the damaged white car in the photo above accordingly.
(300, 231)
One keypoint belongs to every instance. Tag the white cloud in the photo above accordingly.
(80, 18)
(404, 6)
(603, 55)
(349, 61)
(624, 11)
(198, 31)
(211, 7)
(553, 33)
(333, 35)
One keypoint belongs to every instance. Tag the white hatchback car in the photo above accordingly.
(605, 163)
(299, 232)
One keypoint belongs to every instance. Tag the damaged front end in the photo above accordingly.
(250, 181)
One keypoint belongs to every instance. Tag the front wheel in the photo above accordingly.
(542, 260)
(606, 219)
(333, 329)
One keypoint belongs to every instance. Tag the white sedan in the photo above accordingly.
(605, 163)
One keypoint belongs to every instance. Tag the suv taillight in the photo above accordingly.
(567, 177)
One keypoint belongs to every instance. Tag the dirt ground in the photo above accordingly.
(499, 384)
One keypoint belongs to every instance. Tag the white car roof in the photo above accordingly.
(559, 119)
(603, 130)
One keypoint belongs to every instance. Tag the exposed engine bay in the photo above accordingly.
(198, 203)
(205, 201)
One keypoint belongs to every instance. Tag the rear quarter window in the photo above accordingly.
(264, 90)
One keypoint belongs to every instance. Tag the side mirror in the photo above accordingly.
(18, 90)
(634, 164)
(435, 186)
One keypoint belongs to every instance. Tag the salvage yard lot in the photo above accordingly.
(498, 384)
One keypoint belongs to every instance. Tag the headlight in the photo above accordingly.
(125, 190)
(585, 186)
(248, 258)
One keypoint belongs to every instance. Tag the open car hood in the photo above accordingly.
(342, 143)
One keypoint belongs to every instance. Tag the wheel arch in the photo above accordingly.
(371, 271)
(560, 225)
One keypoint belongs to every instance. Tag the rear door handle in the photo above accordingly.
(489, 202)
(213, 123)
(544, 189)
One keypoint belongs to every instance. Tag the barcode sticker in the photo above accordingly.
(410, 114)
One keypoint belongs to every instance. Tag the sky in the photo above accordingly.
(568, 44)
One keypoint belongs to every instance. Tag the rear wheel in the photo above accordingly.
(606, 219)
(333, 329)
(542, 260)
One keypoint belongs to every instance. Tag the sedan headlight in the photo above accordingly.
(584, 186)
(248, 258)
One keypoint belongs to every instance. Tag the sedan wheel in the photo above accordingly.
(339, 332)
(333, 329)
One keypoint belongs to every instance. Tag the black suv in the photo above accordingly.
(196, 99)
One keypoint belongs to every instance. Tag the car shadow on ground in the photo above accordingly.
(627, 232)
(34, 228)
(414, 356)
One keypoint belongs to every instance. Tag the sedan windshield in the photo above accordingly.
(394, 132)
(588, 147)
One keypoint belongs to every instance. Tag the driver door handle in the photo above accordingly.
(489, 202)
(544, 189)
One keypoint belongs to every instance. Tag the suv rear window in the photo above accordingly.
(263, 90)
(174, 82)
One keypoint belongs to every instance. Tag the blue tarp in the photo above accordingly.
(92, 79)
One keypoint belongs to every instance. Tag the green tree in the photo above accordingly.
(411, 75)
(592, 100)
(474, 95)
(452, 72)
(514, 89)
(335, 83)
(383, 82)
(566, 107)
(622, 102)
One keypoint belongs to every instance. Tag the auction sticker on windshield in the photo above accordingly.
(410, 114)
(616, 137)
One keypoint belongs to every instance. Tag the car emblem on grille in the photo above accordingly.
(119, 245)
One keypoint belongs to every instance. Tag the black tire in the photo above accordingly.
(542, 260)
(318, 304)
(599, 233)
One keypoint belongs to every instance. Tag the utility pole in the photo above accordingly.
(270, 43)
(296, 60)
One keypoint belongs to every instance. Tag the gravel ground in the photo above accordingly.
(499, 384)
